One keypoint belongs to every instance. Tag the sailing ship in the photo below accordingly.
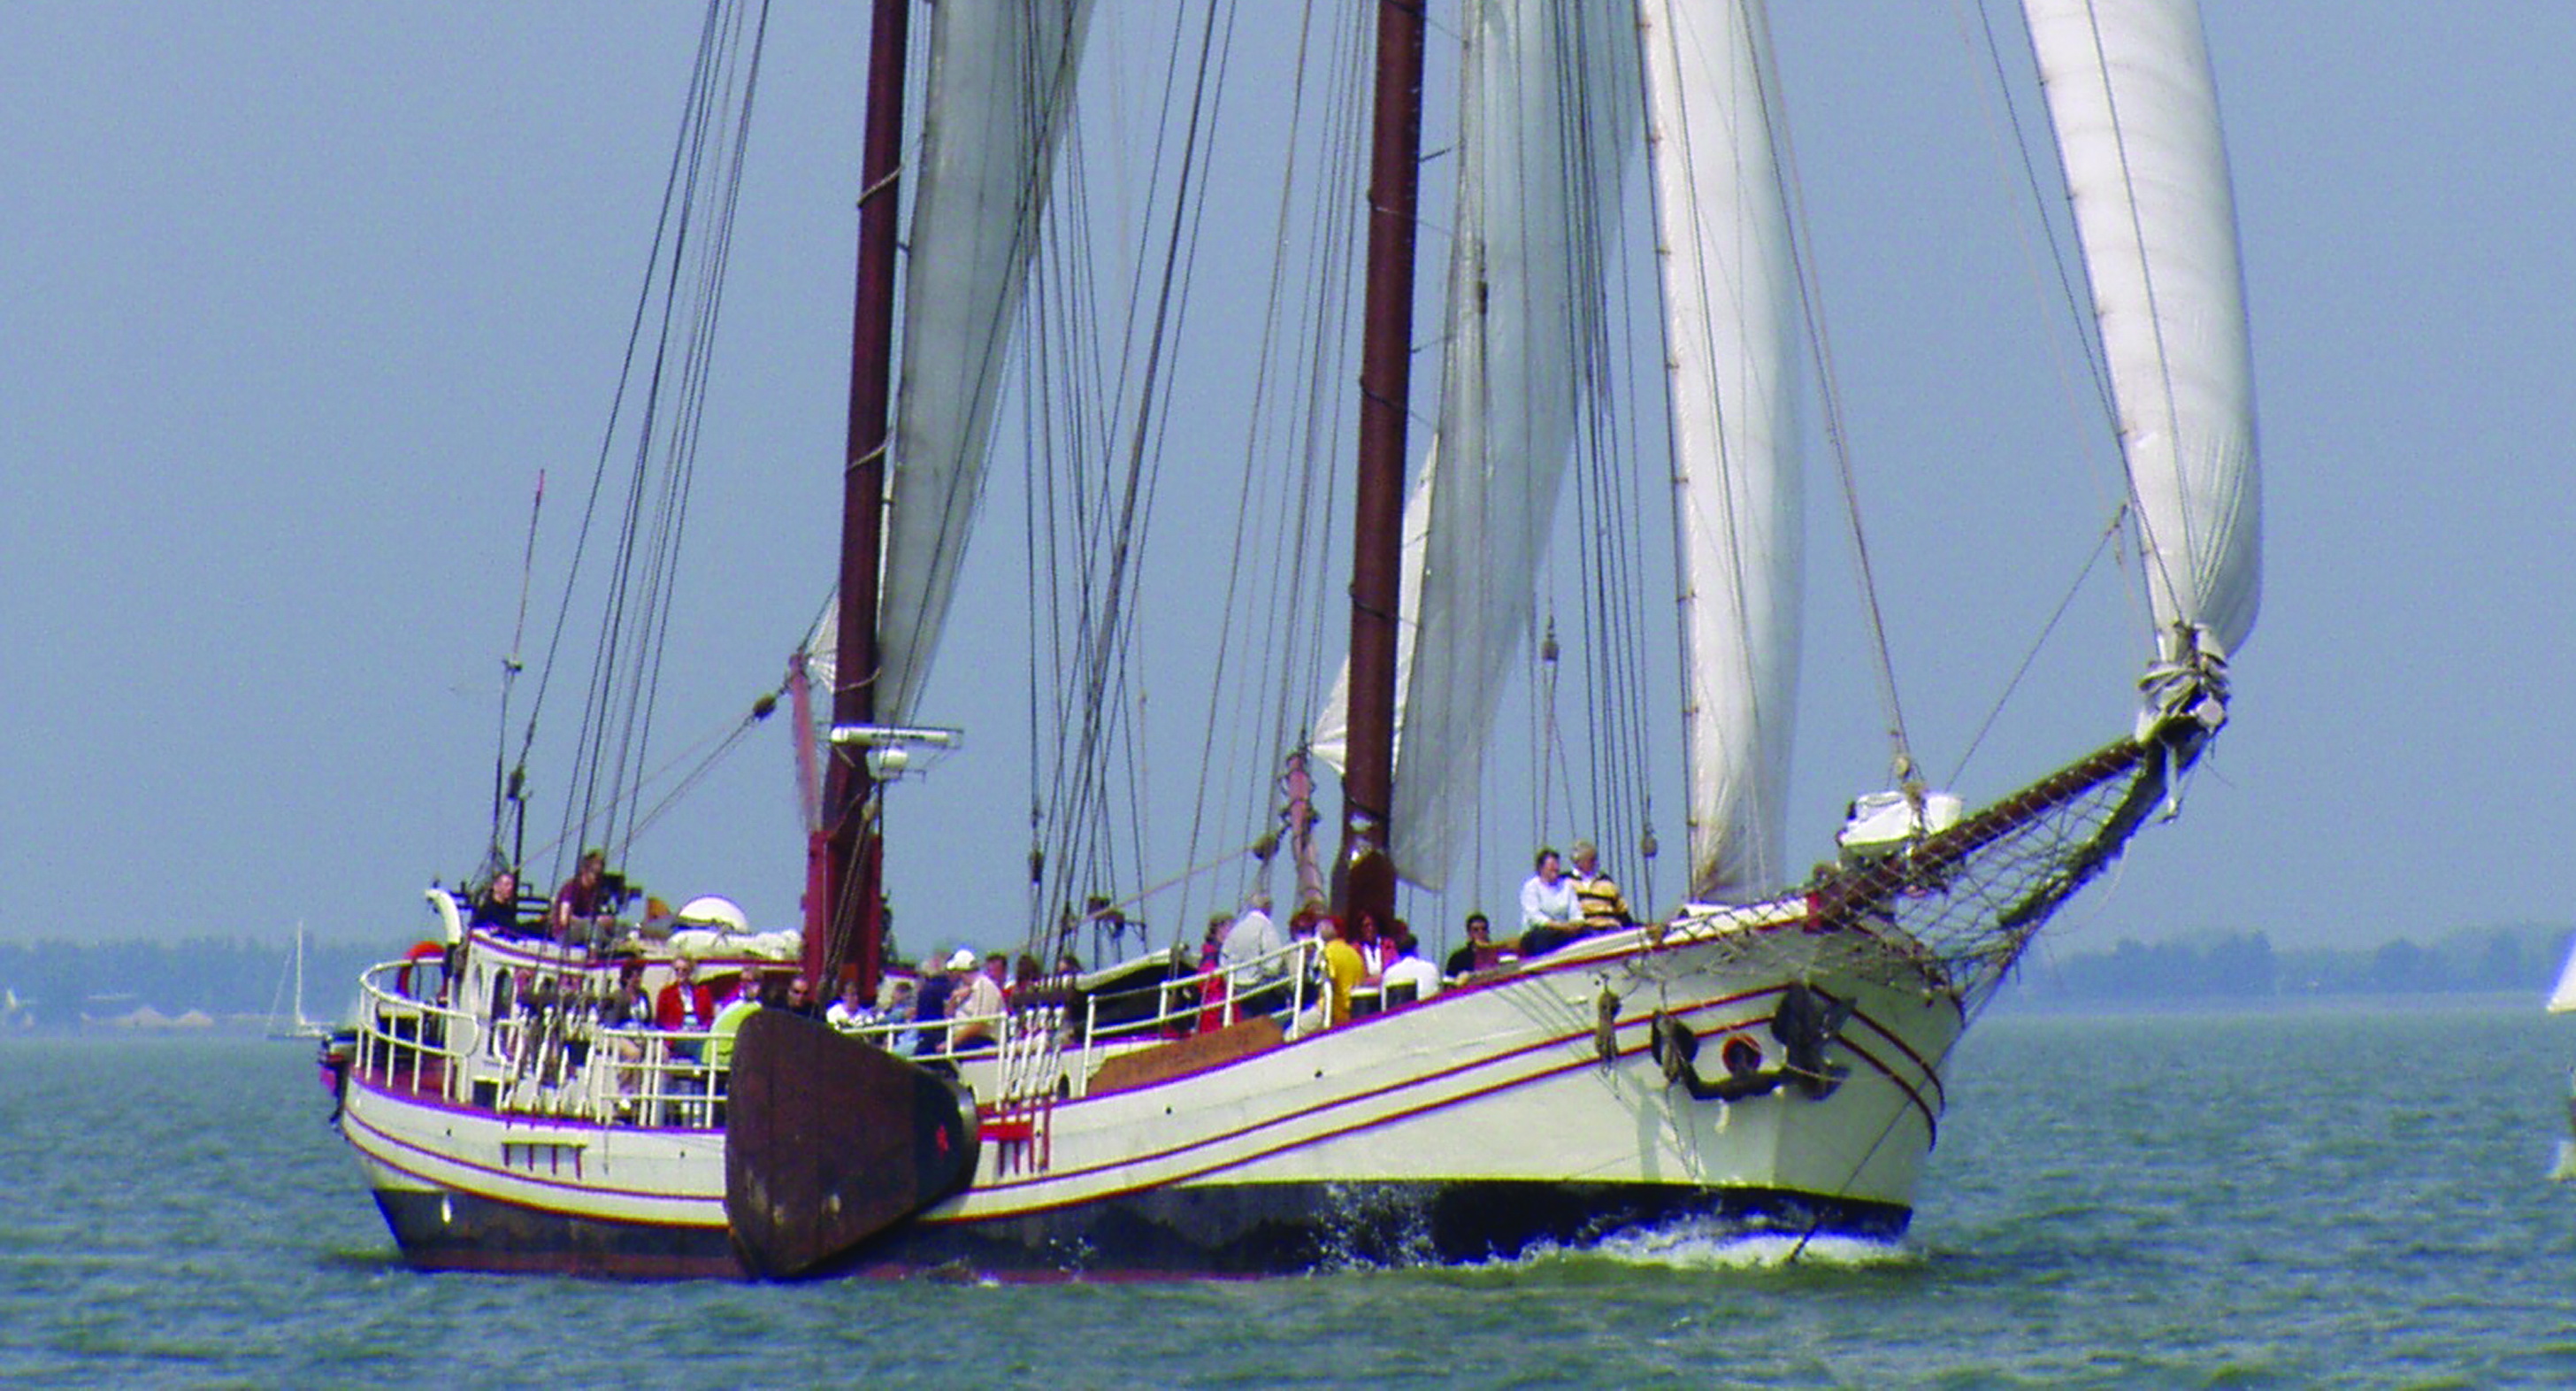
(1772, 1055)
(286, 1016)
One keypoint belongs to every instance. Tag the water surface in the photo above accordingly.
(2323, 1197)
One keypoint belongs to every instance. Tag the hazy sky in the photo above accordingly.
(295, 301)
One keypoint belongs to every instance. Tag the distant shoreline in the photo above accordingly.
(2371, 1002)
(238, 985)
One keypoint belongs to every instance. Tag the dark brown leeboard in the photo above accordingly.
(830, 1141)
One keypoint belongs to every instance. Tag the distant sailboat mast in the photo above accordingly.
(290, 997)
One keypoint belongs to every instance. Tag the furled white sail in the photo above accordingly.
(2136, 114)
(1547, 123)
(1730, 339)
(1000, 81)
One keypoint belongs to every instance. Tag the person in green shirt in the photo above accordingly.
(728, 1021)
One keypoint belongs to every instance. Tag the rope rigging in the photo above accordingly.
(509, 784)
(1609, 502)
(1287, 465)
(684, 278)
(2058, 276)
(1093, 693)
(1820, 349)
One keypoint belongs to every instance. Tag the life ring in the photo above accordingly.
(1740, 1056)
(420, 952)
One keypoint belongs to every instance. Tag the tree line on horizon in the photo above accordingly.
(62, 984)
(2245, 966)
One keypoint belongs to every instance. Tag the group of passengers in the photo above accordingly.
(1359, 964)
(1557, 907)
(955, 1006)
(1359, 968)
(717, 1009)
(583, 911)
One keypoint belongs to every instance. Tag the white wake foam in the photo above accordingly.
(1710, 1244)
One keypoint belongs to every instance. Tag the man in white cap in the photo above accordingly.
(977, 1001)
(938, 982)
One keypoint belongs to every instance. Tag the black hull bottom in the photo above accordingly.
(1289, 1228)
(459, 1231)
(1251, 1229)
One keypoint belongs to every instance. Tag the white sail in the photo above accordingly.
(2562, 996)
(1330, 740)
(1000, 82)
(1730, 338)
(2136, 113)
(1547, 124)
(823, 645)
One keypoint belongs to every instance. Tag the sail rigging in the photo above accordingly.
(639, 512)
(1330, 736)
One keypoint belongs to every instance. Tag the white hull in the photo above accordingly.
(1495, 1091)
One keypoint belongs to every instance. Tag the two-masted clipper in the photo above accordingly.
(1771, 1056)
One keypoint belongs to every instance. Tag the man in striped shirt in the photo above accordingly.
(1596, 895)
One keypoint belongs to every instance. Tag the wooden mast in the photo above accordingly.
(844, 904)
(1367, 874)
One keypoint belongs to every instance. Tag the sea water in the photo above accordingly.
(2346, 1196)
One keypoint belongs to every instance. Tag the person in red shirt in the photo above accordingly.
(685, 1005)
(585, 908)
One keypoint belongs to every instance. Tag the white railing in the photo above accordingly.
(542, 1046)
(405, 1040)
(1028, 1055)
(544, 1057)
(1201, 999)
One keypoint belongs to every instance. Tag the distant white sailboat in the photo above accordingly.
(2562, 998)
(299, 1025)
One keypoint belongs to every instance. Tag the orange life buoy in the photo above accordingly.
(420, 952)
